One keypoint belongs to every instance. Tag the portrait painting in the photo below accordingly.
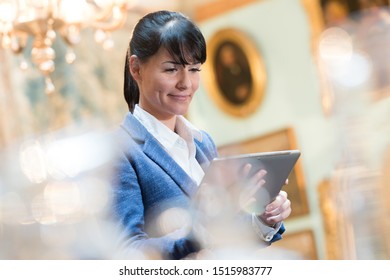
(232, 72)
(235, 73)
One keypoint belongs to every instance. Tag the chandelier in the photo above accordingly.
(44, 20)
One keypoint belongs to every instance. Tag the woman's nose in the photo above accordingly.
(184, 80)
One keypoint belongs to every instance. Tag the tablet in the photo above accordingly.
(278, 164)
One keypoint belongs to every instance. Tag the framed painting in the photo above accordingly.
(299, 244)
(235, 75)
(283, 139)
(336, 12)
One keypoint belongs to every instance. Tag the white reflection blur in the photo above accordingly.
(211, 199)
(58, 236)
(335, 46)
(94, 194)
(13, 210)
(55, 194)
(63, 198)
(355, 72)
(64, 157)
(176, 222)
(74, 155)
(32, 161)
(217, 226)
(42, 211)
(344, 65)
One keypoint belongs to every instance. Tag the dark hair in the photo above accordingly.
(171, 30)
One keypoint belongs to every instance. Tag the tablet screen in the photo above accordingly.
(226, 171)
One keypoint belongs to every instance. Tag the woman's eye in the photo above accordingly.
(195, 69)
(170, 70)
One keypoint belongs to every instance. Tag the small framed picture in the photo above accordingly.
(235, 75)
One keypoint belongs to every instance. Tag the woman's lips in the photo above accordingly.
(180, 97)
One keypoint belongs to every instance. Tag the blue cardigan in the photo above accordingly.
(148, 181)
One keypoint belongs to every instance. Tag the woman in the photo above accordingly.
(163, 156)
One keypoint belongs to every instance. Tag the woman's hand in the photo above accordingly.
(220, 197)
(277, 211)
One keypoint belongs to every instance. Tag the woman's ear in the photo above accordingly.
(134, 65)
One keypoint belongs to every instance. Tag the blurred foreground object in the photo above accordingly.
(355, 58)
(54, 196)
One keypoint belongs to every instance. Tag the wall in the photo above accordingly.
(343, 145)
(281, 31)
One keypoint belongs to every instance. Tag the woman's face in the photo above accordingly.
(166, 87)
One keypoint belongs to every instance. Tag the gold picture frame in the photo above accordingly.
(283, 139)
(235, 75)
(300, 244)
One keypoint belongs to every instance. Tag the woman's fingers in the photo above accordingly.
(252, 185)
(278, 210)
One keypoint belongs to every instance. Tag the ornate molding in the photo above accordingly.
(210, 10)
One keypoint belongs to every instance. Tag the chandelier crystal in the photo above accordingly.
(44, 20)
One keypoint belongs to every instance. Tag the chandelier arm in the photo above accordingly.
(66, 33)
(115, 21)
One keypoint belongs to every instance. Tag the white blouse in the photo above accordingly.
(180, 145)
